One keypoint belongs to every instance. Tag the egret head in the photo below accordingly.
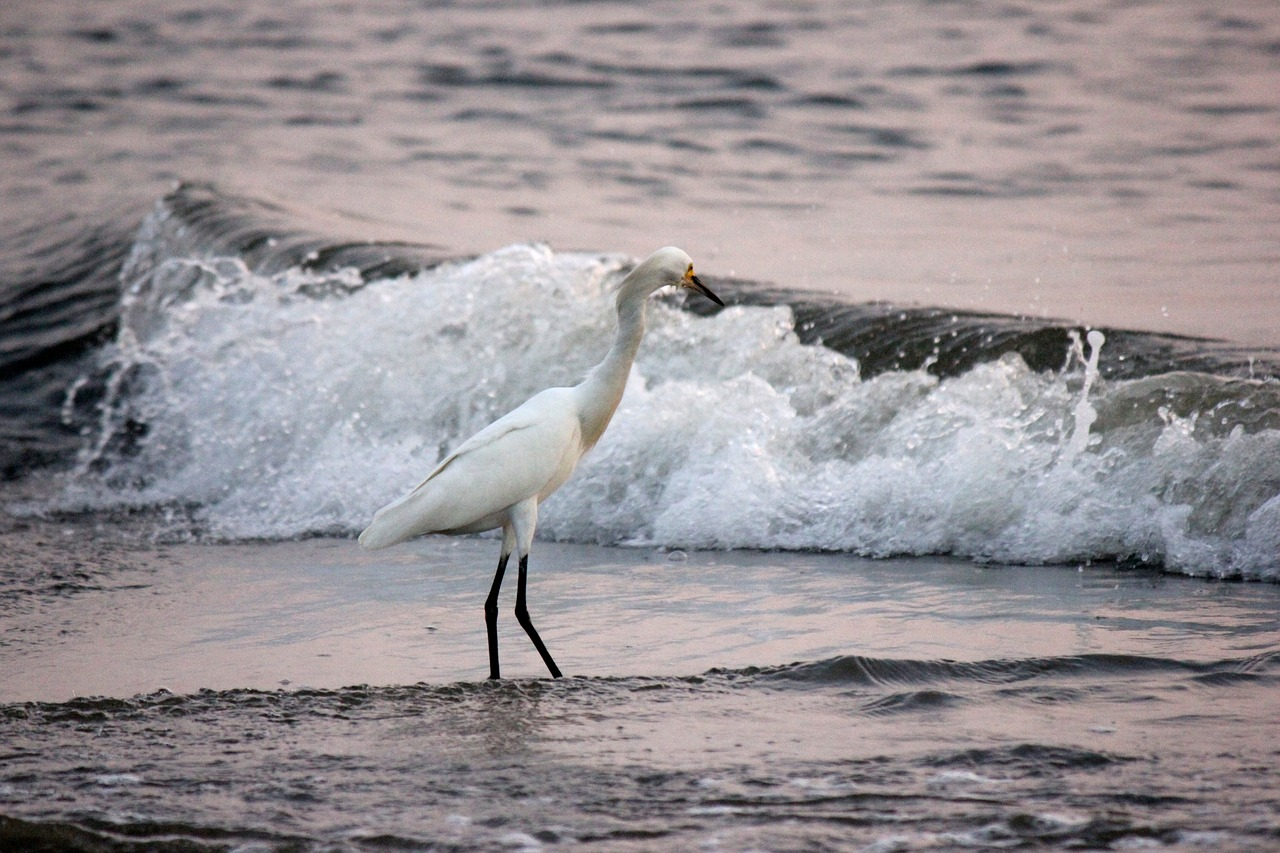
(672, 266)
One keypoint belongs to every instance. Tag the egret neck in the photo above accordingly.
(601, 392)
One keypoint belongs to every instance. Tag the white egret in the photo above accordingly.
(498, 477)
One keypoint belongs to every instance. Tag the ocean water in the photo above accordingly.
(958, 527)
(302, 695)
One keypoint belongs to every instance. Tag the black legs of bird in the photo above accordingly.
(522, 616)
(491, 616)
(498, 477)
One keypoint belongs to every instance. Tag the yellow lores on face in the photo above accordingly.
(692, 282)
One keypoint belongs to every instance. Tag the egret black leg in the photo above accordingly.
(522, 616)
(491, 616)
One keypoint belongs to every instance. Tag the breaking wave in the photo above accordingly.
(258, 387)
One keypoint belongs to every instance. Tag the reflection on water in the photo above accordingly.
(325, 615)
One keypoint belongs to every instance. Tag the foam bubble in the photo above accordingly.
(272, 413)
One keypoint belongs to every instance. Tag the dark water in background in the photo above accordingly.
(1108, 163)
(1006, 174)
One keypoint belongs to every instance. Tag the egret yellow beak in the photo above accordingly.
(692, 282)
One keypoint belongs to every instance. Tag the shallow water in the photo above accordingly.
(934, 704)
(186, 617)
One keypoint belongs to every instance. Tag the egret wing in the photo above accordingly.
(528, 452)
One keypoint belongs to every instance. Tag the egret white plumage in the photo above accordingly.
(498, 477)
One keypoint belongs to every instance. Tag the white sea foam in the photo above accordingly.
(271, 413)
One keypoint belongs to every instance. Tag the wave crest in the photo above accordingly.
(280, 402)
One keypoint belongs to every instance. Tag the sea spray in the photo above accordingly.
(1084, 413)
(264, 410)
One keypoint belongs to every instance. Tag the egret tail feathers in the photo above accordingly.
(395, 523)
